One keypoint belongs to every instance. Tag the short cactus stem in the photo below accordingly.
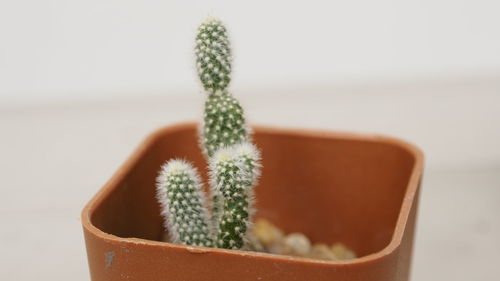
(181, 196)
(213, 55)
(224, 123)
(234, 173)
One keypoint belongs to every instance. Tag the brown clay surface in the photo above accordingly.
(361, 190)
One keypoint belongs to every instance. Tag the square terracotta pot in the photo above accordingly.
(361, 190)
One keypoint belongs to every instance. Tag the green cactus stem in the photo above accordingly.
(223, 123)
(234, 172)
(213, 55)
(183, 204)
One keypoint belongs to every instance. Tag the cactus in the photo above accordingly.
(233, 160)
(182, 199)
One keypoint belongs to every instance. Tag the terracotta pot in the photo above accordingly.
(361, 190)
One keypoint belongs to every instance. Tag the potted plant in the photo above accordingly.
(360, 190)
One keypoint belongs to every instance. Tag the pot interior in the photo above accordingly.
(333, 188)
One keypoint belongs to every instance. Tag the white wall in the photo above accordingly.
(101, 49)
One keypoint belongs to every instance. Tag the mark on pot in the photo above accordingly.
(108, 258)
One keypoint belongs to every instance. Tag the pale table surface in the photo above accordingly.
(53, 158)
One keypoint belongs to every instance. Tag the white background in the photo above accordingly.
(74, 50)
(82, 82)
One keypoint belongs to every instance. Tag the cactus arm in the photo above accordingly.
(234, 171)
(183, 204)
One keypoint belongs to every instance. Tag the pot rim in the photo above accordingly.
(408, 200)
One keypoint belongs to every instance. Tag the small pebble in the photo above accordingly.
(254, 244)
(299, 244)
(266, 232)
(323, 252)
(279, 248)
(342, 252)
